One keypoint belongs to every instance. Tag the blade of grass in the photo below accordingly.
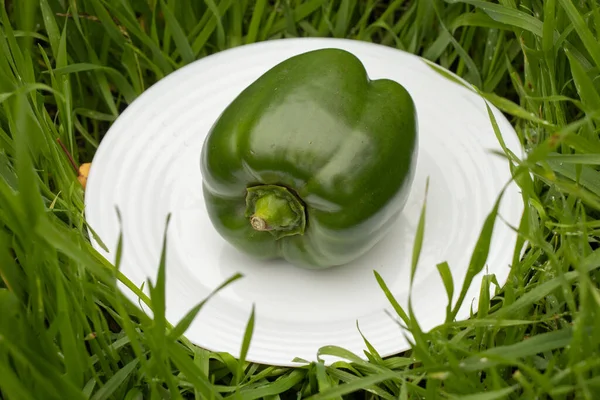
(585, 159)
(44, 372)
(187, 320)
(460, 50)
(11, 385)
(302, 11)
(480, 253)
(419, 235)
(584, 176)
(192, 372)
(211, 25)
(281, 385)
(591, 263)
(72, 352)
(507, 16)
(446, 275)
(187, 54)
(534, 345)
(28, 88)
(245, 347)
(51, 26)
(479, 19)
(397, 307)
(257, 15)
(353, 386)
(343, 17)
(120, 81)
(591, 44)
(106, 391)
(108, 23)
(493, 395)
(585, 86)
(373, 354)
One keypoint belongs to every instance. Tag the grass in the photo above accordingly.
(69, 67)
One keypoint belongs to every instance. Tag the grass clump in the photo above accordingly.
(68, 68)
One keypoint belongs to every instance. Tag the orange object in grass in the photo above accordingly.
(82, 171)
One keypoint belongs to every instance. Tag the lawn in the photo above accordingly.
(68, 68)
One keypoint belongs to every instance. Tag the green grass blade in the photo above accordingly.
(591, 263)
(187, 54)
(28, 88)
(493, 395)
(584, 159)
(591, 43)
(134, 394)
(549, 25)
(187, 320)
(111, 28)
(302, 11)
(373, 353)
(11, 384)
(245, 346)
(449, 75)
(446, 275)
(120, 81)
(534, 345)
(162, 60)
(585, 86)
(342, 375)
(507, 16)
(480, 253)
(397, 307)
(70, 346)
(200, 41)
(476, 80)
(257, 15)
(419, 234)
(514, 109)
(192, 372)
(353, 386)
(44, 372)
(63, 240)
(51, 26)
(342, 353)
(106, 391)
(157, 291)
(549, 145)
(479, 19)
(92, 114)
(219, 24)
(344, 15)
(322, 378)
(281, 385)
(584, 176)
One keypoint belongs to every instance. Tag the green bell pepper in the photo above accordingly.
(313, 162)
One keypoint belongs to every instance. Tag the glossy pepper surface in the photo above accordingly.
(312, 162)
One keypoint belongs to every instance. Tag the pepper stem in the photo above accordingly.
(259, 224)
(275, 209)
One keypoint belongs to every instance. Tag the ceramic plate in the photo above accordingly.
(148, 167)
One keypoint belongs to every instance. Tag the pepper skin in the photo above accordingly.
(313, 162)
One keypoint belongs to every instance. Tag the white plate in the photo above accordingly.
(148, 166)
